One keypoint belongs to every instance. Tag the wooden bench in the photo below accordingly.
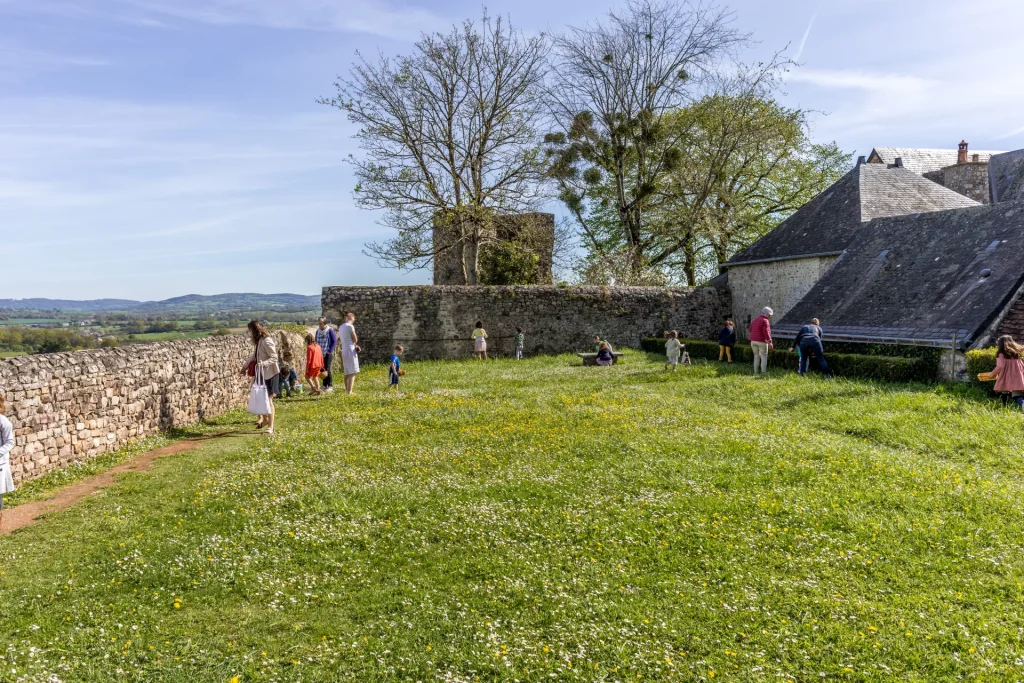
(591, 358)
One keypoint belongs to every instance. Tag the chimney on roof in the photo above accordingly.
(961, 153)
(861, 160)
(899, 162)
(975, 158)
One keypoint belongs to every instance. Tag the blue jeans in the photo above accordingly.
(812, 347)
(329, 380)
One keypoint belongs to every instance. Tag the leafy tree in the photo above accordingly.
(615, 84)
(53, 345)
(449, 130)
(746, 163)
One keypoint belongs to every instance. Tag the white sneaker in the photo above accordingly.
(328, 390)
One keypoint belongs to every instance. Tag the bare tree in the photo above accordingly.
(449, 134)
(615, 82)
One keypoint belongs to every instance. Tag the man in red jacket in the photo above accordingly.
(761, 339)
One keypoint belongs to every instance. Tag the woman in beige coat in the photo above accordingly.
(264, 356)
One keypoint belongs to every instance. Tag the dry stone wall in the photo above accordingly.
(67, 407)
(436, 321)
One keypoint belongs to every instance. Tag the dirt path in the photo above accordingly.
(29, 513)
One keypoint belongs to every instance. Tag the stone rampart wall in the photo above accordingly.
(436, 321)
(73, 406)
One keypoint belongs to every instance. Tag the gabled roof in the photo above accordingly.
(1006, 176)
(828, 223)
(922, 161)
(920, 278)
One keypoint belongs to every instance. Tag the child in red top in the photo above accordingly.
(1009, 372)
(314, 363)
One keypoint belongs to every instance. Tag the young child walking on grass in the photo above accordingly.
(395, 370)
(6, 444)
(479, 337)
(519, 343)
(726, 340)
(1009, 372)
(673, 349)
(314, 364)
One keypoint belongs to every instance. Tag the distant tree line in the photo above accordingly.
(46, 340)
(668, 153)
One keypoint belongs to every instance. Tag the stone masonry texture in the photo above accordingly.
(67, 407)
(436, 321)
(778, 284)
(970, 180)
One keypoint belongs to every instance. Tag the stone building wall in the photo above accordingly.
(436, 321)
(67, 407)
(778, 284)
(970, 180)
(1012, 323)
(534, 229)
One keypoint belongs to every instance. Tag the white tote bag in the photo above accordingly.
(259, 398)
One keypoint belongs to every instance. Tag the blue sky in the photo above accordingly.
(153, 148)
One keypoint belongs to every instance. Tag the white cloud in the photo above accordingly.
(19, 63)
(395, 20)
(862, 80)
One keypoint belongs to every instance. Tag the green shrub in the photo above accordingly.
(887, 368)
(981, 360)
(508, 263)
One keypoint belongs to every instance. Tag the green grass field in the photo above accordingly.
(543, 521)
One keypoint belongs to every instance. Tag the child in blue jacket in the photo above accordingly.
(726, 340)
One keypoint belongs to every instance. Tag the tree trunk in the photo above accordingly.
(690, 263)
(471, 255)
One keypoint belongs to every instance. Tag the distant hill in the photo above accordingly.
(179, 304)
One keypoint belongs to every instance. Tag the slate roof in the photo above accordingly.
(828, 223)
(920, 278)
(1006, 176)
(922, 161)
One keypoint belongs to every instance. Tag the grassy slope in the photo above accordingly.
(518, 520)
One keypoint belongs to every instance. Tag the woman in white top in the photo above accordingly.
(6, 444)
(349, 351)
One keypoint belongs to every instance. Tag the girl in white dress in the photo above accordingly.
(673, 348)
(349, 351)
(6, 444)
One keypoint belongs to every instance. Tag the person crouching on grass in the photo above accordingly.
(6, 444)
(314, 364)
(673, 349)
(395, 369)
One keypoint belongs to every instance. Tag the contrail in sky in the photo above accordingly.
(803, 41)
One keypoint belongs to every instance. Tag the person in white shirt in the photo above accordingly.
(673, 349)
(349, 351)
(6, 444)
